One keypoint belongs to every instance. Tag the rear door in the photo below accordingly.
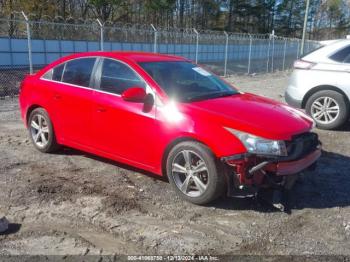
(124, 129)
(72, 100)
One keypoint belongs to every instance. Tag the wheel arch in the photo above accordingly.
(322, 88)
(171, 146)
(30, 110)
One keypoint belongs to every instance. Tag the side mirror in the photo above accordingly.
(134, 94)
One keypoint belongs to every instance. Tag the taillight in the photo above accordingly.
(301, 64)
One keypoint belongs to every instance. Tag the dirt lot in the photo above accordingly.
(74, 203)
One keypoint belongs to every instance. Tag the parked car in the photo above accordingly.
(320, 84)
(169, 116)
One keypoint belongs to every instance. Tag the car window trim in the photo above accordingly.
(78, 86)
(64, 68)
(69, 84)
(96, 80)
(82, 87)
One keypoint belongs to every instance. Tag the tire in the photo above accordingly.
(201, 158)
(46, 140)
(322, 98)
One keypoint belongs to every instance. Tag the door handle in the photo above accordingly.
(101, 109)
(56, 96)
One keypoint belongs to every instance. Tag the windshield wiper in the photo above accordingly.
(209, 96)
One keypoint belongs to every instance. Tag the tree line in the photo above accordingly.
(326, 19)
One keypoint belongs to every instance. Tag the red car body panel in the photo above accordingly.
(113, 117)
(293, 167)
(106, 125)
(254, 114)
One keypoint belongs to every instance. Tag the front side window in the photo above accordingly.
(78, 71)
(187, 82)
(116, 77)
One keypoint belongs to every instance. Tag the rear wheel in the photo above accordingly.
(41, 131)
(328, 108)
(195, 173)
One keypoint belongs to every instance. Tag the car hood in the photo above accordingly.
(255, 115)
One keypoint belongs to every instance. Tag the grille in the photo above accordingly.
(302, 145)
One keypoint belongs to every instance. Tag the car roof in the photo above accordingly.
(329, 42)
(130, 55)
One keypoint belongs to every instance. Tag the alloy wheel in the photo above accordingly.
(190, 173)
(39, 130)
(325, 110)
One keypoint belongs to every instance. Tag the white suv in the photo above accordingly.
(320, 84)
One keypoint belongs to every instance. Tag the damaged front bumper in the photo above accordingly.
(253, 171)
(293, 167)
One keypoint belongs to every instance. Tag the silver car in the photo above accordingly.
(320, 84)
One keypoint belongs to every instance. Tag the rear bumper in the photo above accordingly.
(292, 101)
(293, 167)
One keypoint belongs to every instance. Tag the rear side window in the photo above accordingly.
(116, 77)
(57, 72)
(342, 56)
(347, 59)
(78, 71)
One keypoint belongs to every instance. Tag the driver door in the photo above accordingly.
(121, 128)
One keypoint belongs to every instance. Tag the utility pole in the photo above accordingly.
(304, 28)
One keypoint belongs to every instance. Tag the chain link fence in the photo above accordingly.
(27, 45)
(12, 67)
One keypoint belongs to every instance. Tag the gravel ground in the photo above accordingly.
(75, 203)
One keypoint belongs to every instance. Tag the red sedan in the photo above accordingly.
(171, 117)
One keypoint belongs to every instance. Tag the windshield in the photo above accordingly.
(187, 82)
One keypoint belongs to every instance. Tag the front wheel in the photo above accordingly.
(328, 108)
(195, 173)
